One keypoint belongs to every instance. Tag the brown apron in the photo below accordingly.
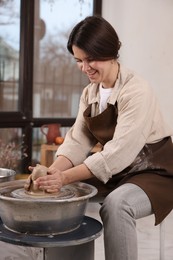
(152, 170)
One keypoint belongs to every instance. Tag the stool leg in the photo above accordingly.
(162, 240)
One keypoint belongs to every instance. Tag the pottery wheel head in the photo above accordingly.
(64, 193)
(34, 193)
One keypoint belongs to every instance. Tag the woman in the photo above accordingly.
(119, 110)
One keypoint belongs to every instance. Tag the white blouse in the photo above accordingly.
(104, 96)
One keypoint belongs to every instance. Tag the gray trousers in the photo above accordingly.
(119, 212)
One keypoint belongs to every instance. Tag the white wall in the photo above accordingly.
(145, 28)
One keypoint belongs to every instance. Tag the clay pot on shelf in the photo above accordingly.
(51, 131)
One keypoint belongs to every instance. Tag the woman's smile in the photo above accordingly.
(91, 75)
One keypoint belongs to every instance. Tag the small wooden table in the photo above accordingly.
(48, 153)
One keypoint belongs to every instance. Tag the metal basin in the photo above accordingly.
(43, 215)
(6, 175)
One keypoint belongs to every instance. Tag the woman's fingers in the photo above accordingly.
(50, 183)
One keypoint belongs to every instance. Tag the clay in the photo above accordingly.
(39, 171)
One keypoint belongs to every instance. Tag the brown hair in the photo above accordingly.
(96, 37)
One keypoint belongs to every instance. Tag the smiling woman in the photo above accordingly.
(134, 170)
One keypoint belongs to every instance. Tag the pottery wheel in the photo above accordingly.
(65, 193)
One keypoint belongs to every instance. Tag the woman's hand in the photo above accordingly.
(37, 171)
(52, 182)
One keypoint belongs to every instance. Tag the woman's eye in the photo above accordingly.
(78, 61)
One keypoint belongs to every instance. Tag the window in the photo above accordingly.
(39, 81)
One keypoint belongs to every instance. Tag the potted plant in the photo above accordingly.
(11, 154)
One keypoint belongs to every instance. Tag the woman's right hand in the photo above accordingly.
(52, 182)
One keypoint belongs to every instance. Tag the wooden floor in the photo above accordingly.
(148, 240)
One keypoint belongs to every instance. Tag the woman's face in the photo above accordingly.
(97, 71)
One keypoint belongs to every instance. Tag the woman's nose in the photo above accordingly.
(85, 66)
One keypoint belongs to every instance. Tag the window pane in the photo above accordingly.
(9, 54)
(57, 81)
